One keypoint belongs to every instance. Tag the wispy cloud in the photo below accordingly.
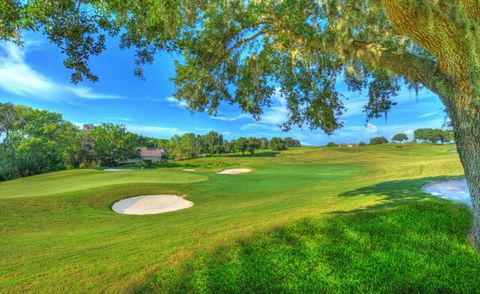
(148, 130)
(177, 103)
(119, 118)
(19, 78)
(260, 126)
(273, 116)
(231, 118)
(429, 114)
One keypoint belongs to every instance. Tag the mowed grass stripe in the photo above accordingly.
(75, 180)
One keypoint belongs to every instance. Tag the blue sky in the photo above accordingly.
(34, 75)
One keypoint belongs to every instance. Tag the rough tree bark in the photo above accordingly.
(457, 82)
(466, 122)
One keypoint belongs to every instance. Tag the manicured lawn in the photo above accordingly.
(346, 219)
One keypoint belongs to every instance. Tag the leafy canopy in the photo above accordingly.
(241, 52)
(400, 137)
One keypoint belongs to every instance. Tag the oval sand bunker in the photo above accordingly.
(152, 204)
(456, 190)
(234, 171)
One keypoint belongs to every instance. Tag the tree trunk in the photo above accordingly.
(466, 123)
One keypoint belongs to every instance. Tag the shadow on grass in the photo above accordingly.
(396, 193)
(416, 246)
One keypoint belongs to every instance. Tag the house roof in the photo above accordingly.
(150, 152)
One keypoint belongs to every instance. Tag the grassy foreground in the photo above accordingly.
(305, 220)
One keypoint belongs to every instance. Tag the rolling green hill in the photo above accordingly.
(304, 220)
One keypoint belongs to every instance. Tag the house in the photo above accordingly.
(148, 154)
(151, 154)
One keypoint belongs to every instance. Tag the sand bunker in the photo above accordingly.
(188, 170)
(151, 204)
(455, 190)
(117, 169)
(234, 171)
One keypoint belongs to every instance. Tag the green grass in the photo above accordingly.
(75, 180)
(309, 219)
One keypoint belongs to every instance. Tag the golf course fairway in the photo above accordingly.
(304, 220)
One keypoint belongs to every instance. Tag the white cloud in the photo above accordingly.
(371, 128)
(177, 103)
(87, 93)
(154, 130)
(275, 115)
(260, 126)
(232, 118)
(19, 78)
(429, 114)
(79, 124)
(146, 130)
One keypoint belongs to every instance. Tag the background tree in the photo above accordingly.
(378, 140)
(419, 135)
(252, 145)
(87, 146)
(448, 136)
(277, 144)
(434, 135)
(292, 143)
(400, 137)
(33, 141)
(113, 144)
(227, 147)
(188, 147)
(264, 143)
(213, 142)
(241, 144)
(331, 144)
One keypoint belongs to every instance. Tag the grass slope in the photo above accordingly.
(338, 215)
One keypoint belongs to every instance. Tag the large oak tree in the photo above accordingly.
(242, 51)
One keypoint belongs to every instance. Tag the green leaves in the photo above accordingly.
(246, 52)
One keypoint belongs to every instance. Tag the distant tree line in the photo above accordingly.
(433, 136)
(192, 146)
(36, 141)
(421, 135)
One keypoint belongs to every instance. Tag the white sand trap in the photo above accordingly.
(151, 204)
(188, 170)
(235, 171)
(117, 169)
(455, 190)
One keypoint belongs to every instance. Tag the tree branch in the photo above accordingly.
(411, 67)
(432, 30)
